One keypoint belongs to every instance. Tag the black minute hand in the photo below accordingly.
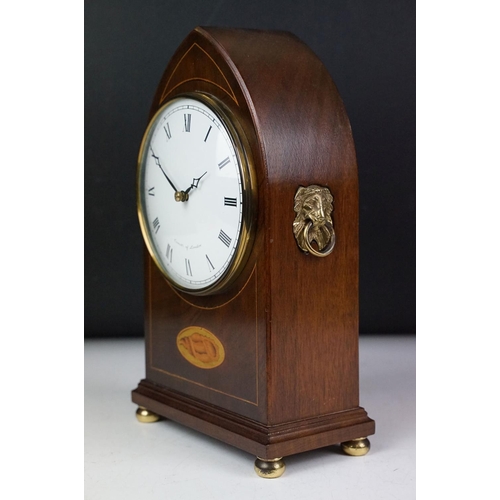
(157, 160)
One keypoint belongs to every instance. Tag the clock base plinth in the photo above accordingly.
(269, 469)
(145, 416)
(356, 447)
(264, 441)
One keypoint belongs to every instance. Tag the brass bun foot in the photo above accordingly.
(357, 447)
(269, 469)
(145, 416)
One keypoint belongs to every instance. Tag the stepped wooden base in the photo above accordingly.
(263, 441)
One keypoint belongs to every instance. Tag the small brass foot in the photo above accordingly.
(356, 447)
(146, 416)
(269, 469)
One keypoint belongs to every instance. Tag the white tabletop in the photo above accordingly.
(125, 459)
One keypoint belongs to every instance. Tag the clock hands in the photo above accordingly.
(178, 195)
(184, 195)
(157, 160)
(195, 183)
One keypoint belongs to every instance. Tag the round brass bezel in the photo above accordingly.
(249, 194)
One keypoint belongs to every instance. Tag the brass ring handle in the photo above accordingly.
(328, 249)
(313, 206)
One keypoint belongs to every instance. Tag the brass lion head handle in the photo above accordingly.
(313, 222)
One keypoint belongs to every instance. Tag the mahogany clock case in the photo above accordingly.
(289, 324)
(369, 49)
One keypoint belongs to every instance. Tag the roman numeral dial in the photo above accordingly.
(187, 263)
(230, 202)
(224, 238)
(170, 253)
(191, 194)
(211, 267)
(224, 162)
(208, 133)
(187, 122)
(166, 127)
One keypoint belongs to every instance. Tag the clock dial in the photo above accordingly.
(191, 194)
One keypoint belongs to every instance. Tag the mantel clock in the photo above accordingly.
(248, 204)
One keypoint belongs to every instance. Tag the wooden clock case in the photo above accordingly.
(289, 323)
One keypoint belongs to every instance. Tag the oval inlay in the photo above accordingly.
(200, 347)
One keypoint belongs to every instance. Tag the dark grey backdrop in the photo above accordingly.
(369, 49)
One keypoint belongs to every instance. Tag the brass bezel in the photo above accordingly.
(249, 188)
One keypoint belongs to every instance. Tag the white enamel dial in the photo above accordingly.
(191, 194)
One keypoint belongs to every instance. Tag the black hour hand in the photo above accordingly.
(195, 183)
